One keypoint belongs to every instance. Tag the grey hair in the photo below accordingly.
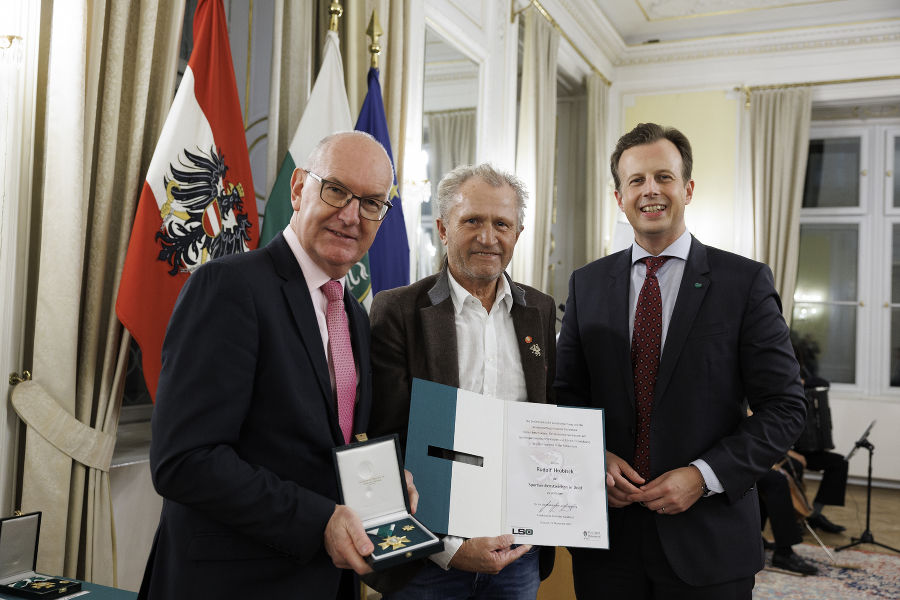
(448, 189)
(314, 160)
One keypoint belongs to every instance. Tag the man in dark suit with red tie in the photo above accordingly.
(265, 370)
(671, 338)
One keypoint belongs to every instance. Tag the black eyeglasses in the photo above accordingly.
(336, 195)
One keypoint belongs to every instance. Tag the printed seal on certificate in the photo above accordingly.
(371, 482)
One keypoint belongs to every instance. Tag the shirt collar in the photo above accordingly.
(313, 274)
(459, 294)
(677, 249)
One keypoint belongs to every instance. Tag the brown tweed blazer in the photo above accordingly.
(414, 335)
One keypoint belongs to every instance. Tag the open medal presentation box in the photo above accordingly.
(371, 482)
(485, 467)
(18, 559)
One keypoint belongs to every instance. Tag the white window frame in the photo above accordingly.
(875, 217)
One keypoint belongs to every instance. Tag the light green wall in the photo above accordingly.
(710, 121)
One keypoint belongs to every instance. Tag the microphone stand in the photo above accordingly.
(866, 536)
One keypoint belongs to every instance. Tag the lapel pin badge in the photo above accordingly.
(528, 339)
(698, 285)
(535, 349)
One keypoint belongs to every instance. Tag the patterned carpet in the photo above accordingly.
(878, 577)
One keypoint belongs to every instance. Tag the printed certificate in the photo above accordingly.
(484, 467)
(556, 476)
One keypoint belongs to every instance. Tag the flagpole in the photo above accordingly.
(336, 12)
(374, 31)
(388, 258)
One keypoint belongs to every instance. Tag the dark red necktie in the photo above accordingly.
(645, 349)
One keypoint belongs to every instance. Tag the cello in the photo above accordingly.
(801, 504)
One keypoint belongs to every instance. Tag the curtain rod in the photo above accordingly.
(755, 88)
(543, 11)
(449, 111)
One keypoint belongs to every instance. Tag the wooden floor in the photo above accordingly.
(884, 525)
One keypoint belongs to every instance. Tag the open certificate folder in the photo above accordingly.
(484, 467)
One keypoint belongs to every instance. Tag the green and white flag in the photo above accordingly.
(327, 111)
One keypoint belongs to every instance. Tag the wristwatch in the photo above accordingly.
(704, 489)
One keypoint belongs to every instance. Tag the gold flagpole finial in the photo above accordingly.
(336, 12)
(374, 31)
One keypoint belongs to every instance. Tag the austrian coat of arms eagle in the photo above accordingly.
(202, 217)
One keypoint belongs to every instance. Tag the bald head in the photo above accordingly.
(344, 140)
(337, 237)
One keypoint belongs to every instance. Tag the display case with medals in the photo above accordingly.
(18, 559)
(371, 481)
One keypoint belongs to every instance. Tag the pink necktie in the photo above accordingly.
(645, 347)
(341, 355)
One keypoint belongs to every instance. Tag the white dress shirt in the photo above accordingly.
(488, 359)
(488, 356)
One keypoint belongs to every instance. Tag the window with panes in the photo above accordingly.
(847, 297)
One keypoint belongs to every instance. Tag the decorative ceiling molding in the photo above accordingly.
(591, 30)
(451, 75)
(663, 10)
(788, 40)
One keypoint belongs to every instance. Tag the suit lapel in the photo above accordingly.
(532, 346)
(439, 332)
(619, 284)
(691, 292)
(296, 293)
(358, 322)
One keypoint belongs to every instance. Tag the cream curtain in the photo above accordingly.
(536, 148)
(600, 209)
(451, 140)
(292, 40)
(393, 64)
(109, 83)
(779, 130)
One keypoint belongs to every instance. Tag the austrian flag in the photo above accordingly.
(197, 202)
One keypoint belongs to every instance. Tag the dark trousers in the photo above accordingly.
(775, 503)
(636, 568)
(349, 588)
(834, 476)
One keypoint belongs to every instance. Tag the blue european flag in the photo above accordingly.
(389, 254)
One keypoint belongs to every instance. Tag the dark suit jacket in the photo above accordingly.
(727, 342)
(243, 431)
(414, 335)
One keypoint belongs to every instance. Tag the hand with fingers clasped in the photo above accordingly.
(487, 554)
(346, 541)
(672, 492)
(621, 481)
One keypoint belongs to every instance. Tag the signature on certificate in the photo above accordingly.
(553, 507)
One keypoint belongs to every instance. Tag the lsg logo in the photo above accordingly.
(521, 531)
